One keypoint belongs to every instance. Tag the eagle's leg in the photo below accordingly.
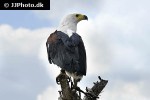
(75, 83)
(62, 75)
(72, 85)
(76, 88)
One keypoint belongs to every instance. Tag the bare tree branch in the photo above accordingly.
(96, 89)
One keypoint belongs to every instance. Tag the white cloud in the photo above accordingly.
(48, 94)
(22, 39)
(123, 91)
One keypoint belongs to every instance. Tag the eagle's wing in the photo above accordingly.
(82, 57)
(67, 53)
(51, 41)
(77, 42)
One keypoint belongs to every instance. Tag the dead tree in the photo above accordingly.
(69, 93)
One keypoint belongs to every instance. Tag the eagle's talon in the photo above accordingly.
(58, 79)
(72, 85)
(78, 88)
(60, 93)
(69, 79)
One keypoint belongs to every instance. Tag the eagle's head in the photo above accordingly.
(70, 22)
(75, 18)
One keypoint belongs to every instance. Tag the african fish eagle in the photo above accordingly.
(66, 49)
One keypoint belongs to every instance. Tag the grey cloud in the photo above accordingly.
(22, 77)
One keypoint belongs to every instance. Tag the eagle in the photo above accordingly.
(66, 49)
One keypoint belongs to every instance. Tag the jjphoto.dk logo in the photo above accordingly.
(25, 5)
(39, 4)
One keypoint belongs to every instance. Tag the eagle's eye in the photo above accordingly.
(77, 15)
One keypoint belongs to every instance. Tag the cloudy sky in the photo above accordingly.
(117, 41)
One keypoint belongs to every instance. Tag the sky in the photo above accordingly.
(116, 39)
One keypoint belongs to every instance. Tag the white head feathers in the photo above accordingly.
(69, 23)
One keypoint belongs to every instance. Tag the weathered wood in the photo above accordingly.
(67, 93)
(96, 89)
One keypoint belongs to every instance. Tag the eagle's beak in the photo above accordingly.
(81, 17)
(85, 17)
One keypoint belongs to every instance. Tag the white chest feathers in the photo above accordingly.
(70, 32)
